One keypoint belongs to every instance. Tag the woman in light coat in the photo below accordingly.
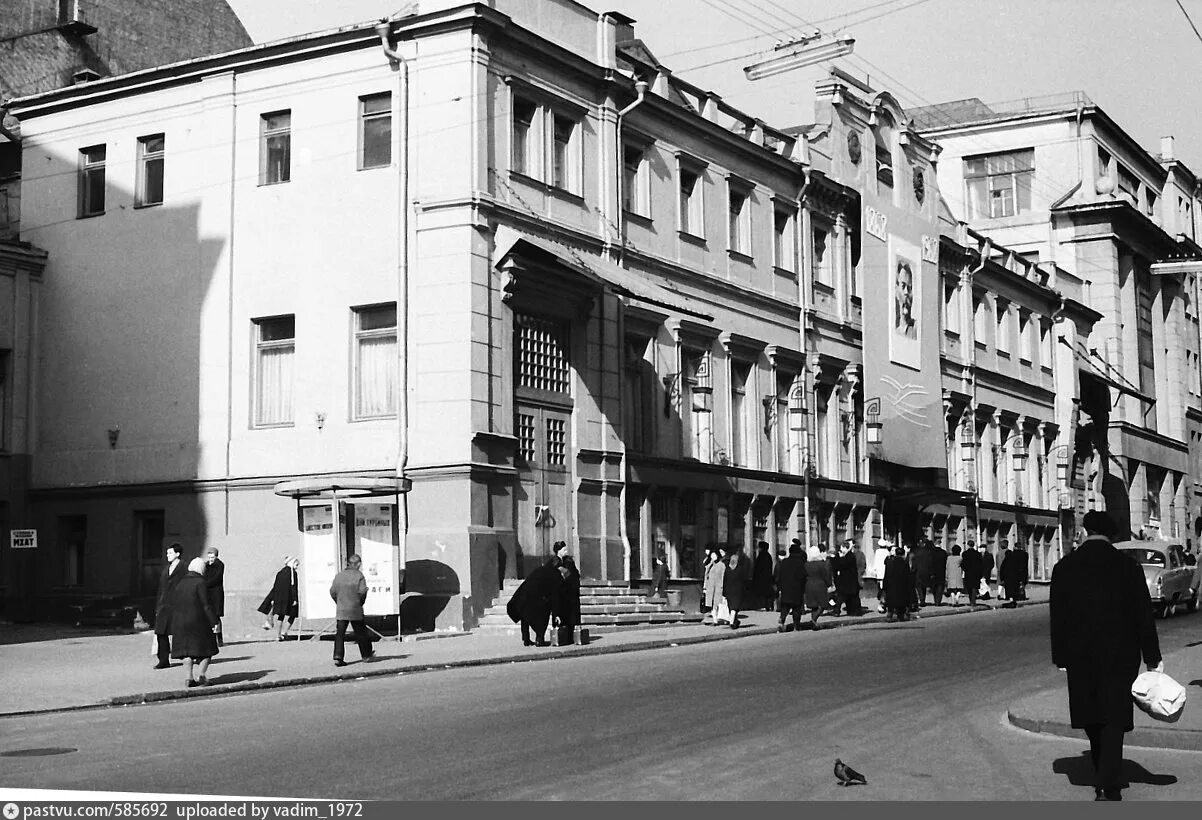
(955, 575)
(715, 574)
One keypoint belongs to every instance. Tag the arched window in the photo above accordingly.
(884, 150)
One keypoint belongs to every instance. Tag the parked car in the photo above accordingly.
(1168, 572)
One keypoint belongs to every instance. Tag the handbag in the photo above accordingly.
(983, 589)
(1159, 695)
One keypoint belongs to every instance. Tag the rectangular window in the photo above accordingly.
(72, 538)
(980, 319)
(1028, 339)
(1150, 203)
(563, 153)
(740, 222)
(275, 352)
(884, 157)
(375, 131)
(1144, 301)
(524, 112)
(823, 270)
(1103, 162)
(542, 353)
(91, 180)
(1047, 341)
(739, 375)
(5, 357)
(951, 307)
(999, 185)
(275, 147)
(1003, 327)
(782, 239)
(1128, 184)
(635, 192)
(375, 362)
(151, 153)
(636, 400)
(690, 203)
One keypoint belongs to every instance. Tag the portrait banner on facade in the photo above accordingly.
(905, 299)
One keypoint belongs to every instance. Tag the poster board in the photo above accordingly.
(319, 560)
(376, 545)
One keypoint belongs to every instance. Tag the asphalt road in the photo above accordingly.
(919, 708)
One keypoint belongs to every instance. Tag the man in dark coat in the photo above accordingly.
(938, 572)
(349, 591)
(846, 580)
(923, 565)
(215, 584)
(567, 616)
(534, 601)
(899, 586)
(1013, 574)
(1101, 621)
(986, 570)
(790, 580)
(173, 571)
(971, 566)
(734, 584)
(761, 578)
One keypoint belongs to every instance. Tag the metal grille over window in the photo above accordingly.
(542, 357)
(526, 436)
(557, 447)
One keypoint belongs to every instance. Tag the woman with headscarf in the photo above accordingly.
(734, 584)
(715, 576)
(818, 584)
(283, 602)
(192, 623)
(955, 575)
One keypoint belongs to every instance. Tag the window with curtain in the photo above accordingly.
(275, 148)
(151, 153)
(999, 185)
(275, 353)
(91, 180)
(375, 361)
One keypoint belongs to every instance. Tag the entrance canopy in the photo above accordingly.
(342, 486)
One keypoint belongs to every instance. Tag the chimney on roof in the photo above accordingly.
(84, 75)
(1166, 148)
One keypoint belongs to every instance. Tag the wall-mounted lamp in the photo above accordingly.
(797, 407)
(1019, 454)
(968, 444)
(1062, 466)
(872, 420)
(703, 398)
(114, 432)
(320, 419)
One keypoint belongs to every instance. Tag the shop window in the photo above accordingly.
(275, 353)
(375, 362)
(72, 543)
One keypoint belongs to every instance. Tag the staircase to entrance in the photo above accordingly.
(605, 606)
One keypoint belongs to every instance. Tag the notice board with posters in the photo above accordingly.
(376, 546)
(319, 560)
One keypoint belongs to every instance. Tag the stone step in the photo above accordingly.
(622, 618)
(608, 609)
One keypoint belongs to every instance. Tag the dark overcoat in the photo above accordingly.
(349, 591)
(215, 585)
(987, 565)
(791, 581)
(899, 582)
(1015, 568)
(1101, 619)
(970, 565)
(284, 599)
(735, 581)
(569, 595)
(924, 564)
(192, 619)
(537, 597)
(818, 584)
(761, 576)
(162, 605)
(938, 565)
(847, 581)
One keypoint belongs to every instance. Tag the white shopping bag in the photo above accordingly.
(1159, 695)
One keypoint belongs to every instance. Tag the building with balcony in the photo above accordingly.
(1061, 183)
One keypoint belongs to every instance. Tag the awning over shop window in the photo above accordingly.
(623, 282)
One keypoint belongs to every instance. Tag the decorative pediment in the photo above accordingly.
(786, 358)
(742, 347)
(693, 334)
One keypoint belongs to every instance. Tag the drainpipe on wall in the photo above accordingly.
(400, 144)
(802, 231)
(985, 245)
(640, 87)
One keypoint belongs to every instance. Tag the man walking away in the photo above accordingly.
(1101, 621)
(349, 591)
(790, 587)
(846, 580)
(1013, 574)
(173, 571)
(938, 573)
(899, 585)
(972, 568)
(215, 587)
(1002, 555)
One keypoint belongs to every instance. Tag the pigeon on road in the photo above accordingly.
(847, 775)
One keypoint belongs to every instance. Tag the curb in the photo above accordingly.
(1188, 740)
(219, 690)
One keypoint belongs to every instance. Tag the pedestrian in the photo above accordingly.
(1002, 555)
(884, 551)
(923, 565)
(972, 568)
(986, 572)
(790, 577)
(659, 577)
(349, 591)
(954, 575)
(846, 580)
(215, 584)
(938, 572)
(818, 586)
(172, 572)
(707, 602)
(558, 550)
(761, 578)
(734, 584)
(1101, 627)
(899, 586)
(567, 618)
(283, 601)
(715, 578)
(1013, 573)
(861, 561)
(192, 623)
(534, 601)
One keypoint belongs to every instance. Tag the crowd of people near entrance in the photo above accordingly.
(905, 578)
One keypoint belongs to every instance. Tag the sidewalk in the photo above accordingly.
(86, 670)
(1047, 711)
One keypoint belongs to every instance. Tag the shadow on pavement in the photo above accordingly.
(223, 659)
(238, 677)
(1080, 772)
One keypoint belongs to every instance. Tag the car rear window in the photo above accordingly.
(1147, 557)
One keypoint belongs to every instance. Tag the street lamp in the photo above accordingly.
(798, 54)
